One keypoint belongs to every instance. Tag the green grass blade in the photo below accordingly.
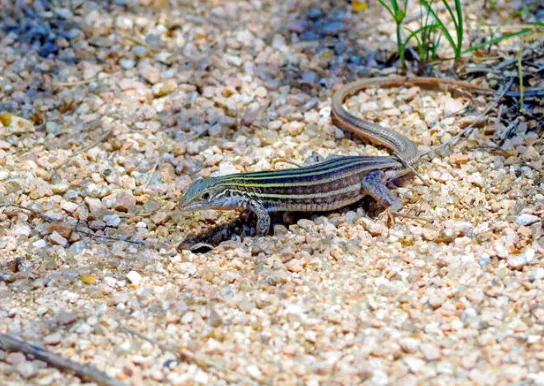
(453, 18)
(460, 26)
(516, 14)
(387, 7)
(496, 40)
(445, 31)
(419, 30)
(395, 6)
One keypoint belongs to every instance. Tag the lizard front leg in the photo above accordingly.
(373, 184)
(263, 218)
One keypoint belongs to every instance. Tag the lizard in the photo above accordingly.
(328, 185)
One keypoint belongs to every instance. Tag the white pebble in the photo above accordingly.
(112, 220)
(134, 277)
(526, 219)
(70, 207)
(41, 243)
(56, 238)
(21, 230)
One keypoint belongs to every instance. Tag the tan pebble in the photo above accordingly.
(440, 176)
(167, 172)
(214, 159)
(459, 158)
(306, 224)
(430, 233)
(14, 358)
(539, 315)
(409, 345)
(88, 279)
(419, 263)
(52, 339)
(165, 88)
(15, 124)
(414, 364)
(27, 369)
(121, 201)
(62, 228)
(69, 207)
(476, 179)
(451, 105)
(295, 265)
(430, 351)
(435, 301)
(134, 277)
(391, 112)
(337, 253)
(374, 228)
(93, 204)
(233, 82)
(312, 116)
(280, 229)
(254, 372)
(290, 350)
(65, 318)
(294, 127)
(228, 91)
(518, 261)
(501, 250)
(476, 295)
(368, 106)
(56, 238)
(261, 92)
(150, 73)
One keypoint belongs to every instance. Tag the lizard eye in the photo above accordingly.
(206, 196)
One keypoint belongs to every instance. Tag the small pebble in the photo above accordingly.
(134, 277)
(27, 369)
(56, 238)
(65, 318)
(165, 88)
(52, 339)
(294, 127)
(526, 219)
(150, 73)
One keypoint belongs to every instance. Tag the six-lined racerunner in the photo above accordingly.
(329, 185)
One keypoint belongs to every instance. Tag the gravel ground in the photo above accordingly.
(116, 109)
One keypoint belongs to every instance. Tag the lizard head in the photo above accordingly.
(210, 193)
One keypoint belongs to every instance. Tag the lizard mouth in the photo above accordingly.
(188, 206)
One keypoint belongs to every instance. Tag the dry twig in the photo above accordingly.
(75, 228)
(85, 372)
(186, 355)
(105, 135)
(467, 130)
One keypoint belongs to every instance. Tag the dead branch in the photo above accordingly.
(85, 372)
(467, 130)
(186, 356)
